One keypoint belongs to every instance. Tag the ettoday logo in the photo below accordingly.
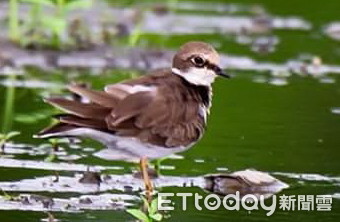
(248, 202)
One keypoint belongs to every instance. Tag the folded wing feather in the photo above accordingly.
(169, 121)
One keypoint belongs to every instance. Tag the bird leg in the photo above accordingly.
(146, 178)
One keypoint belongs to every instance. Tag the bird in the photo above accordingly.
(146, 118)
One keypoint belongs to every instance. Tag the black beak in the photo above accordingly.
(220, 72)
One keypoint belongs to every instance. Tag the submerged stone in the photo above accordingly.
(245, 182)
(91, 178)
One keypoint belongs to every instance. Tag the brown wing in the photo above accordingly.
(159, 116)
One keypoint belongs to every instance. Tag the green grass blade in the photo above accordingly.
(140, 215)
(157, 217)
(9, 104)
(12, 134)
(13, 21)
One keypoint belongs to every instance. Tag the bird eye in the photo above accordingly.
(198, 61)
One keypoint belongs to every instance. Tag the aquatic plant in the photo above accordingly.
(41, 23)
(32, 28)
(13, 21)
(172, 4)
(135, 36)
(9, 197)
(55, 147)
(150, 213)
(33, 117)
(58, 23)
(4, 137)
(50, 158)
(158, 164)
(9, 104)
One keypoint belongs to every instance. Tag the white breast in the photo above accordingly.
(203, 112)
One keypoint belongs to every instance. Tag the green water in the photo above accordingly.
(270, 128)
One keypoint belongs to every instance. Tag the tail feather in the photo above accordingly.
(85, 110)
(56, 130)
(69, 122)
(80, 115)
(81, 122)
(102, 98)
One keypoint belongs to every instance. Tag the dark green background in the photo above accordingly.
(270, 128)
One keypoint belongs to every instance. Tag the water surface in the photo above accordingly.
(286, 124)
